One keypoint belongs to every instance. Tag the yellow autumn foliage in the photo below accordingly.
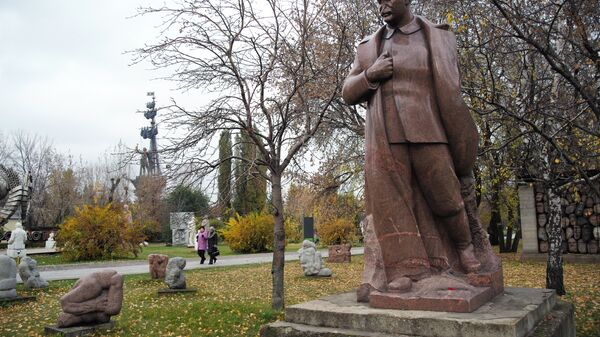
(99, 233)
(253, 233)
(337, 231)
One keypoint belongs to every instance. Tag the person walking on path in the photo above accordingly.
(201, 244)
(212, 240)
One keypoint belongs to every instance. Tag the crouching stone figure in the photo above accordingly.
(93, 299)
(311, 261)
(30, 275)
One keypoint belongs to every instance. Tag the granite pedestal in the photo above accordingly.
(82, 330)
(518, 312)
(168, 291)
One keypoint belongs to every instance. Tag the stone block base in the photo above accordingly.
(518, 312)
(167, 291)
(78, 330)
(17, 299)
(445, 292)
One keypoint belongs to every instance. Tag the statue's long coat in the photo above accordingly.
(425, 244)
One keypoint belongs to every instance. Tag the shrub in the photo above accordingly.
(337, 231)
(293, 230)
(98, 232)
(252, 233)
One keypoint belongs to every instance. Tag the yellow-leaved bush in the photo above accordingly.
(99, 233)
(253, 233)
(337, 231)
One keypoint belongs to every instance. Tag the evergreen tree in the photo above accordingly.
(250, 182)
(224, 179)
(185, 199)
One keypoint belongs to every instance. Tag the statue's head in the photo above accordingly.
(392, 11)
(308, 244)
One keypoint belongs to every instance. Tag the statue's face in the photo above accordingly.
(392, 11)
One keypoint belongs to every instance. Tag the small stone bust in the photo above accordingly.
(8, 277)
(30, 275)
(311, 260)
(175, 278)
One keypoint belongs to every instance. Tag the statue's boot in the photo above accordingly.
(363, 292)
(400, 285)
(468, 260)
(460, 233)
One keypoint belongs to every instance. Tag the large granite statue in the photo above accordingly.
(311, 260)
(30, 275)
(93, 299)
(16, 243)
(175, 278)
(8, 277)
(421, 145)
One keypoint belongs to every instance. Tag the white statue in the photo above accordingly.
(190, 232)
(50, 243)
(16, 243)
(311, 260)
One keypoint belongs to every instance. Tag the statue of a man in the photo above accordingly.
(420, 142)
(144, 159)
(16, 243)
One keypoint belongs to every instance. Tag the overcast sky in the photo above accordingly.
(64, 74)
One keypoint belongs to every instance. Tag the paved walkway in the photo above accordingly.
(75, 271)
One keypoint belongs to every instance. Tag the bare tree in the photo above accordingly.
(276, 68)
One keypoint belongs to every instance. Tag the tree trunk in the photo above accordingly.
(554, 268)
(515, 244)
(494, 228)
(277, 297)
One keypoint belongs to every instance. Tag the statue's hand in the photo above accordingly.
(382, 69)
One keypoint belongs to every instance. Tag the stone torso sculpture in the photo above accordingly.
(175, 278)
(158, 265)
(8, 277)
(30, 275)
(421, 145)
(311, 260)
(93, 299)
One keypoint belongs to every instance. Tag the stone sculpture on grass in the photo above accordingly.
(30, 274)
(93, 299)
(311, 260)
(175, 278)
(8, 278)
(158, 265)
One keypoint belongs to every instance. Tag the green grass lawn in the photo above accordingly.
(235, 301)
(153, 248)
